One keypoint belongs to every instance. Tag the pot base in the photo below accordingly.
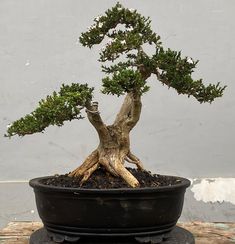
(177, 236)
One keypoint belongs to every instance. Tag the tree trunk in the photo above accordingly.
(114, 147)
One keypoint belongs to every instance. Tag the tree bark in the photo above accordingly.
(114, 146)
(130, 111)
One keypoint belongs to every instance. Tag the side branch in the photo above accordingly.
(95, 119)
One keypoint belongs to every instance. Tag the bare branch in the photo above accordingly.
(95, 119)
(145, 73)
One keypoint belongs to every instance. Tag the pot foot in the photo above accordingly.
(155, 239)
(177, 236)
(59, 238)
(42, 236)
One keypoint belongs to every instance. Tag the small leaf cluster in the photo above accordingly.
(124, 81)
(117, 67)
(54, 110)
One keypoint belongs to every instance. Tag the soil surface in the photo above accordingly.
(101, 179)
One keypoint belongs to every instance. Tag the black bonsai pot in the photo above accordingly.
(109, 212)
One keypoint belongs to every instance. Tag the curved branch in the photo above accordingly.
(96, 120)
(141, 67)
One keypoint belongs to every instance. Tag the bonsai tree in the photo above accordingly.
(126, 32)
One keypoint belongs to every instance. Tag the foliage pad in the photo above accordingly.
(54, 110)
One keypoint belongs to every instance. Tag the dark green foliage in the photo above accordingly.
(127, 32)
(54, 110)
(124, 81)
(171, 69)
(137, 31)
(175, 71)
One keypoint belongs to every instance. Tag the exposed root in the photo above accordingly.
(116, 165)
(112, 163)
(88, 173)
(131, 158)
(105, 162)
(126, 175)
(90, 161)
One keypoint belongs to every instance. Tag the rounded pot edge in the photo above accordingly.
(37, 185)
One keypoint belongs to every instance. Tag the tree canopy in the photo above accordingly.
(169, 66)
(126, 32)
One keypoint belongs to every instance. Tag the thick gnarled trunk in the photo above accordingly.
(114, 147)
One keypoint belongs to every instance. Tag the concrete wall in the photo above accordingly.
(176, 135)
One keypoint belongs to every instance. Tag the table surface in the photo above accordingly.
(205, 233)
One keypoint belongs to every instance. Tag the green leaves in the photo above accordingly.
(137, 31)
(54, 110)
(175, 71)
(124, 81)
(170, 67)
(126, 31)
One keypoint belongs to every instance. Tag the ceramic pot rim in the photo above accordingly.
(37, 185)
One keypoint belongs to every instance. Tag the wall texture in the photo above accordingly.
(176, 135)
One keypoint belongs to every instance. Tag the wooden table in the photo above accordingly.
(205, 233)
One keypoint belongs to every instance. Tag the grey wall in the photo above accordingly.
(176, 135)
